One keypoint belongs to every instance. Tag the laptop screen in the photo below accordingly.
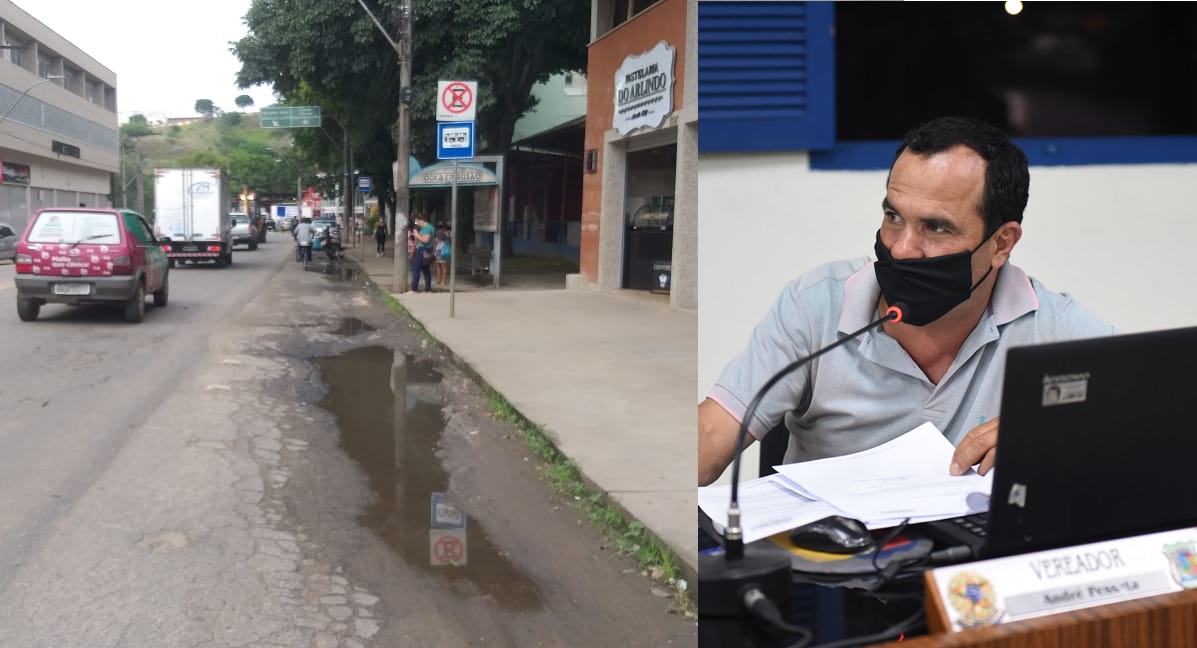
(1097, 440)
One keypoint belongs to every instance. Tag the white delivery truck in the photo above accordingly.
(191, 210)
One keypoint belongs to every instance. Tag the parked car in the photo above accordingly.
(245, 232)
(270, 225)
(87, 256)
(8, 242)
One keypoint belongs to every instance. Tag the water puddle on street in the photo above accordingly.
(338, 273)
(390, 422)
(352, 326)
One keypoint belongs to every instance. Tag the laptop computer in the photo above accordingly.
(1098, 440)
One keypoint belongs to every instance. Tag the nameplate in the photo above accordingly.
(1002, 590)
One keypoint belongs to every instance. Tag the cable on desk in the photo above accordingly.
(768, 614)
(886, 574)
(765, 611)
(890, 633)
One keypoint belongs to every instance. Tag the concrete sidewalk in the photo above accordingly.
(609, 375)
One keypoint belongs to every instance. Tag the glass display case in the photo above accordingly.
(657, 214)
(648, 241)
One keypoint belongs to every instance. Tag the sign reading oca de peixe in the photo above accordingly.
(644, 89)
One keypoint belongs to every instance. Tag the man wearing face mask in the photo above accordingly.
(951, 216)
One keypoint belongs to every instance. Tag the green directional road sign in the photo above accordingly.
(290, 117)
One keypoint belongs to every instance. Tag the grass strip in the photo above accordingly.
(626, 538)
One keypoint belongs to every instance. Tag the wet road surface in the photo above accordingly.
(277, 460)
(465, 545)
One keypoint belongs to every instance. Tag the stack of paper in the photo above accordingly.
(906, 478)
(767, 505)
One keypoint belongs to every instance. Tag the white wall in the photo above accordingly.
(1122, 239)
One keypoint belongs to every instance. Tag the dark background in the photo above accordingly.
(1079, 69)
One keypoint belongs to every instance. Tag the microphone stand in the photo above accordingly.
(732, 585)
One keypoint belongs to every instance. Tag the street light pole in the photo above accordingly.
(403, 134)
(50, 77)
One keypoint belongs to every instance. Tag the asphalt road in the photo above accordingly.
(80, 382)
(254, 465)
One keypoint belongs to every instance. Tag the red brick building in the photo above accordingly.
(639, 185)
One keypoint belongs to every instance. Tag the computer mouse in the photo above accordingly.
(835, 534)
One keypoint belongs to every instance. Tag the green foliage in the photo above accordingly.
(626, 537)
(263, 159)
(244, 101)
(506, 45)
(137, 126)
(232, 119)
(198, 159)
(205, 107)
(331, 54)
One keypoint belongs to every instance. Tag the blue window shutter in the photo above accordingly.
(766, 76)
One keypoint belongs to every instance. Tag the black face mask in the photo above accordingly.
(929, 287)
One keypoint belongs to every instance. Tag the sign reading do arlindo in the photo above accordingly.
(644, 89)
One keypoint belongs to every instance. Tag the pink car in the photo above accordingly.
(87, 256)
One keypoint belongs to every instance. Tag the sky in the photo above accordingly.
(166, 55)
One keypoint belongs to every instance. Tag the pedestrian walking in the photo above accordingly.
(380, 236)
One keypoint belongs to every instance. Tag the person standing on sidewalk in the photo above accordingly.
(380, 236)
(421, 260)
(443, 251)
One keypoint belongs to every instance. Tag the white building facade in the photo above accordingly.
(59, 135)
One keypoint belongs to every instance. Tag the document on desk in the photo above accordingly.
(904, 478)
(768, 505)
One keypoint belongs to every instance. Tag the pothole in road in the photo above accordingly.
(352, 326)
(338, 273)
(390, 422)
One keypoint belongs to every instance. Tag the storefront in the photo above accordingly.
(639, 209)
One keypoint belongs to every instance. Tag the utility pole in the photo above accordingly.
(124, 187)
(140, 188)
(403, 134)
(347, 184)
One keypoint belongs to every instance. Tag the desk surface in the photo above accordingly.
(1158, 621)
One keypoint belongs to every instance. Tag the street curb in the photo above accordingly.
(685, 570)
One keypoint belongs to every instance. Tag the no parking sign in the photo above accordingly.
(447, 547)
(456, 100)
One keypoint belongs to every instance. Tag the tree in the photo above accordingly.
(244, 101)
(506, 45)
(200, 159)
(137, 126)
(130, 155)
(206, 108)
(332, 55)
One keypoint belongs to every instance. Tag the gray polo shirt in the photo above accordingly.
(869, 390)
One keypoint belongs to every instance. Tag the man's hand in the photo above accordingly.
(979, 445)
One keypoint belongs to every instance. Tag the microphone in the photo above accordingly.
(726, 585)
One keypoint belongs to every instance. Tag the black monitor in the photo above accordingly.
(1097, 440)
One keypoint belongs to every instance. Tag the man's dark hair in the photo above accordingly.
(1007, 179)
